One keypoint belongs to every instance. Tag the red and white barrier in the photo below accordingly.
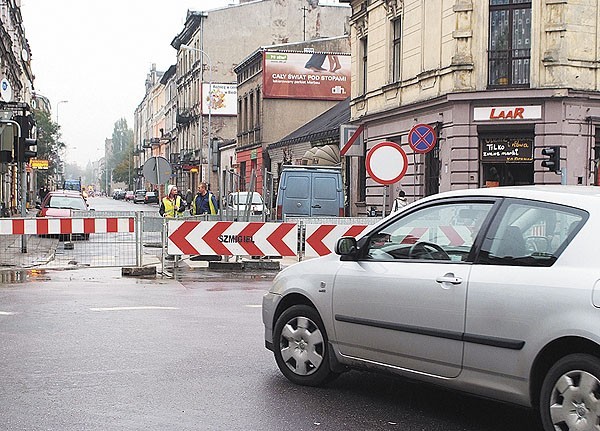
(65, 226)
(321, 238)
(228, 238)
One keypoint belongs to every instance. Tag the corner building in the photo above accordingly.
(498, 80)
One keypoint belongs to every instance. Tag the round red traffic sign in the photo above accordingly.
(387, 163)
(422, 138)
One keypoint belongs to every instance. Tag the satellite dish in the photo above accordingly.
(5, 90)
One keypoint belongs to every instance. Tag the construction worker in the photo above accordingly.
(172, 204)
(204, 202)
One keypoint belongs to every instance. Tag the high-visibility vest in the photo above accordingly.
(171, 207)
(211, 205)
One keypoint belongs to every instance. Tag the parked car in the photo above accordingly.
(151, 198)
(129, 195)
(119, 194)
(306, 191)
(493, 291)
(63, 203)
(139, 196)
(237, 203)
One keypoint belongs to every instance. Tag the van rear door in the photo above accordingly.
(326, 195)
(296, 200)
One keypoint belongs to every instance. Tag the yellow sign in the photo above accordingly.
(38, 164)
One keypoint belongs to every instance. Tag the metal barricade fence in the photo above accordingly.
(142, 240)
(95, 240)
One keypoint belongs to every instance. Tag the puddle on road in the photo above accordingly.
(23, 276)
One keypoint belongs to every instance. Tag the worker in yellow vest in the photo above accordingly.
(172, 204)
(204, 202)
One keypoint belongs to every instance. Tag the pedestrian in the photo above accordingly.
(189, 197)
(204, 202)
(171, 205)
(400, 202)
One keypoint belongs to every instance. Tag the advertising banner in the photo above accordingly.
(507, 150)
(224, 99)
(299, 75)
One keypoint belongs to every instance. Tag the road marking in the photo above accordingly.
(7, 313)
(132, 308)
(253, 305)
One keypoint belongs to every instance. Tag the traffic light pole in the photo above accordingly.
(24, 203)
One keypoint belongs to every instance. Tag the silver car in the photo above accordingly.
(495, 292)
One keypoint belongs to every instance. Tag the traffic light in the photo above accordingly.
(553, 160)
(27, 147)
(29, 150)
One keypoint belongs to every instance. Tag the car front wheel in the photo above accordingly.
(301, 348)
(570, 395)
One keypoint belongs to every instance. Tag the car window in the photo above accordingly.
(441, 232)
(67, 202)
(530, 233)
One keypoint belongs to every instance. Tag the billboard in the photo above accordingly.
(224, 99)
(304, 75)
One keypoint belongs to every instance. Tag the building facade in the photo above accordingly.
(206, 59)
(16, 79)
(497, 82)
(279, 90)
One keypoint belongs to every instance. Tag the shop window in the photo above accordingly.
(509, 48)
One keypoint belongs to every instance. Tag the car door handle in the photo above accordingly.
(316, 206)
(449, 278)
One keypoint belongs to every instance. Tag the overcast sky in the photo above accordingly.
(96, 55)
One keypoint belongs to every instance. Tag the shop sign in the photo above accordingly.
(507, 150)
(253, 155)
(507, 113)
(38, 164)
(191, 168)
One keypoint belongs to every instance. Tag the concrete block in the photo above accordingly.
(138, 271)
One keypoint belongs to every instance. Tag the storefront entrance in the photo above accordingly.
(505, 174)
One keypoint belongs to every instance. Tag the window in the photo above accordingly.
(441, 232)
(396, 51)
(530, 234)
(509, 49)
(362, 89)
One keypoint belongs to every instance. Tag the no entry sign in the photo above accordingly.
(386, 163)
(422, 138)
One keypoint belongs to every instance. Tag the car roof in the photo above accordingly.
(65, 193)
(576, 196)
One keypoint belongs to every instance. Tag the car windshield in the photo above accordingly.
(67, 202)
(243, 198)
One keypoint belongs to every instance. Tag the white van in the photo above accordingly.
(306, 191)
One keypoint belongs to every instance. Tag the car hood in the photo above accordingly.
(56, 212)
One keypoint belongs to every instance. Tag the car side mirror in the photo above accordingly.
(346, 246)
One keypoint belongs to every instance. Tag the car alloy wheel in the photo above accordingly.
(301, 349)
(570, 395)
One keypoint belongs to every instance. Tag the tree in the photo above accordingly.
(49, 145)
(122, 155)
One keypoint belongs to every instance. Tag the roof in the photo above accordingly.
(326, 125)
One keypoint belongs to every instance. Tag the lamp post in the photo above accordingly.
(57, 105)
(209, 134)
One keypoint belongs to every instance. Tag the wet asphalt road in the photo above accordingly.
(90, 350)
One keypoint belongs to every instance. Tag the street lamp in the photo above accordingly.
(189, 48)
